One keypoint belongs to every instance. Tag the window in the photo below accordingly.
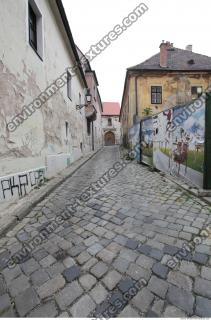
(156, 95)
(79, 99)
(69, 85)
(32, 28)
(95, 93)
(109, 122)
(35, 28)
(67, 128)
(196, 92)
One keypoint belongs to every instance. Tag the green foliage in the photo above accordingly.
(147, 111)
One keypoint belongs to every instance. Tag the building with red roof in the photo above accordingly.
(110, 123)
(111, 109)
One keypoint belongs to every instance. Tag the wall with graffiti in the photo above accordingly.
(178, 141)
(147, 141)
(14, 187)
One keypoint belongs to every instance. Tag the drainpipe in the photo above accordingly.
(136, 91)
(93, 143)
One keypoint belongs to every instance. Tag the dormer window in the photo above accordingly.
(191, 61)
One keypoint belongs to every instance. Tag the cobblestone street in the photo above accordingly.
(109, 258)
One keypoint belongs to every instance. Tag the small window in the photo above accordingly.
(35, 25)
(196, 92)
(95, 93)
(69, 85)
(79, 99)
(88, 127)
(67, 129)
(32, 28)
(156, 95)
(109, 122)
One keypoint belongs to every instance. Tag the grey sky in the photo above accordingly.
(181, 22)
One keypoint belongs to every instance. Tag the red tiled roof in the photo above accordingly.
(111, 109)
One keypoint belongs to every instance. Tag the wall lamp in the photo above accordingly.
(88, 100)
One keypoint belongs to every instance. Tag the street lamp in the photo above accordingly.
(88, 97)
(88, 100)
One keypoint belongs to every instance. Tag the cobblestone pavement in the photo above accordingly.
(94, 263)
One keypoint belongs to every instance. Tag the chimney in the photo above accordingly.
(164, 47)
(189, 47)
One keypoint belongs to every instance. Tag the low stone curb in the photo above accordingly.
(18, 210)
(201, 194)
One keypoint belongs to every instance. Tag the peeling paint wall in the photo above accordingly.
(176, 90)
(23, 76)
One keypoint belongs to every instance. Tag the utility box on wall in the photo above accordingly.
(178, 141)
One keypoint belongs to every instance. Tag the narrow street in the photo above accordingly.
(109, 258)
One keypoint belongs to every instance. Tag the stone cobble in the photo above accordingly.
(109, 257)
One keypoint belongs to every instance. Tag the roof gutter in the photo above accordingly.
(70, 37)
(168, 70)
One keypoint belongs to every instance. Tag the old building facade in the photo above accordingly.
(41, 84)
(93, 112)
(110, 123)
(171, 77)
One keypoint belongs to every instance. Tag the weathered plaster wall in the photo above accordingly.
(176, 89)
(23, 76)
(97, 124)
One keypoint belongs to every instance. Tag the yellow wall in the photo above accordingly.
(176, 89)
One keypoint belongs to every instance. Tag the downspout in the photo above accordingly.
(93, 143)
(136, 92)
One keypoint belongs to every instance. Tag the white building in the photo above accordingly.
(110, 123)
(41, 132)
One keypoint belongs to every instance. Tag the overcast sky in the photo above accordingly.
(182, 22)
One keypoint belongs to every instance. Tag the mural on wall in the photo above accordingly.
(162, 140)
(16, 186)
(180, 151)
(147, 141)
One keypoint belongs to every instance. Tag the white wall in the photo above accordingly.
(41, 138)
(18, 185)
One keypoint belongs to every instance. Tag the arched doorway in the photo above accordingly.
(109, 138)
